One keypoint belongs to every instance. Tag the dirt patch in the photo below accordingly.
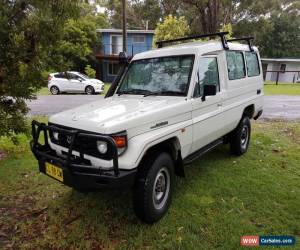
(15, 210)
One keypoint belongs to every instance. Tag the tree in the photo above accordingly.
(79, 37)
(140, 13)
(277, 33)
(227, 28)
(89, 71)
(283, 38)
(207, 16)
(149, 11)
(30, 31)
(171, 28)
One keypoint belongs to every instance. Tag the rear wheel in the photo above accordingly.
(54, 90)
(153, 189)
(89, 90)
(240, 137)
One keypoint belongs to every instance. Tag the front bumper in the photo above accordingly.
(99, 89)
(77, 172)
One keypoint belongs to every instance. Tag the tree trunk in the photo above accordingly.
(212, 14)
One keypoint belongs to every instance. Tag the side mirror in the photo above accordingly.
(123, 58)
(209, 90)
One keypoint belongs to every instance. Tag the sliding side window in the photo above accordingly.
(235, 65)
(252, 64)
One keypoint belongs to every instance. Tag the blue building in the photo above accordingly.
(112, 43)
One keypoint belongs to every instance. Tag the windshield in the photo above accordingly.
(162, 75)
(83, 76)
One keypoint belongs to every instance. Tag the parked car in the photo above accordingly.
(73, 82)
(165, 109)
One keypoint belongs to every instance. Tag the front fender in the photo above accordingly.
(138, 145)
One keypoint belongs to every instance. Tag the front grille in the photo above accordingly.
(84, 145)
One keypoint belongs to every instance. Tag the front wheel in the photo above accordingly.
(240, 137)
(153, 190)
(89, 90)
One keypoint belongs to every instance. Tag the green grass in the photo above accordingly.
(281, 89)
(45, 91)
(106, 87)
(222, 198)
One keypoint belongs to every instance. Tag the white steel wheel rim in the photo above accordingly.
(244, 136)
(161, 188)
(54, 90)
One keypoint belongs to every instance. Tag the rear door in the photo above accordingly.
(61, 81)
(207, 114)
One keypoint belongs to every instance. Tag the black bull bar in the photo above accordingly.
(75, 166)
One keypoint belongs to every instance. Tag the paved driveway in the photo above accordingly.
(282, 107)
(276, 107)
(52, 104)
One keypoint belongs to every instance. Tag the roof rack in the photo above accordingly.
(248, 39)
(220, 34)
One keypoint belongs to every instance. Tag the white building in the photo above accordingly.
(284, 65)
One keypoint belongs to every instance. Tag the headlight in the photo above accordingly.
(56, 136)
(102, 147)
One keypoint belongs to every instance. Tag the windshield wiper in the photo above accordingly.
(166, 92)
(134, 92)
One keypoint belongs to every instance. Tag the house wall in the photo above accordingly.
(106, 76)
(132, 49)
(283, 77)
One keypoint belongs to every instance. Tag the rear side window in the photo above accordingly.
(207, 74)
(60, 75)
(252, 64)
(235, 65)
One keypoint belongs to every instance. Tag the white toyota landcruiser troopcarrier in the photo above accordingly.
(166, 107)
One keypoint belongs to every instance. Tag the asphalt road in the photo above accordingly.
(275, 107)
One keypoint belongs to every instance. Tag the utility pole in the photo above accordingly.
(124, 25)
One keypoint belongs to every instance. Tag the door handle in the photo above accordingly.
(219, 104)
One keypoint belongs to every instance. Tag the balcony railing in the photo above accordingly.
(114, 49)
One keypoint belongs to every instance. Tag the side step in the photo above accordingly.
(189, 159)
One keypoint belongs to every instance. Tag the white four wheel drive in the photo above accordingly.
(73, 82)
(167, 107)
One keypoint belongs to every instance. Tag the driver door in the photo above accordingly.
(75, 83)
(207, 113)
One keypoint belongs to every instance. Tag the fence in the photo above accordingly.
(284, 71)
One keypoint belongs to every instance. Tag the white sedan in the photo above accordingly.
(73, 82)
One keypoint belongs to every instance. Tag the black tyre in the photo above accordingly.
(54, 90)
(89, 90)
(240, 137)
(153, 189)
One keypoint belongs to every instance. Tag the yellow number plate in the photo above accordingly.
(54, 171)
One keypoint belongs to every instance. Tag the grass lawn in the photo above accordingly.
(222, 198)
(45, 91)
(281, 89)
